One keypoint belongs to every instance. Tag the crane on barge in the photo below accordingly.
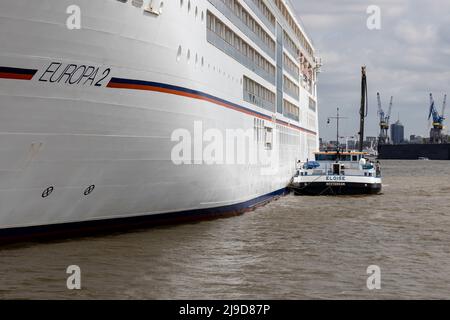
(364, 109)
(436, 136)
(384, 120)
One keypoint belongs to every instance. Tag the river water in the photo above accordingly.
(293, 248)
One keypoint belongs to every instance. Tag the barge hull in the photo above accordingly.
(323, 188)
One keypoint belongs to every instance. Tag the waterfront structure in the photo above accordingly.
(397, 133)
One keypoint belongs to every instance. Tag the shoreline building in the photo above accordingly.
(397, 133)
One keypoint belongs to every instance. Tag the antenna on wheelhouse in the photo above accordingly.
(338, 117)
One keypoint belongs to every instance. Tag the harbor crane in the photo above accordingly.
(384, 120)
(438, 121)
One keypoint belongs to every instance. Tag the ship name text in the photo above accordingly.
(335, 178)
(75, 74)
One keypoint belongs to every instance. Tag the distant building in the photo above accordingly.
(446, 139)
(333, 144)
(416, 139)
(352, 144)
(397, 133)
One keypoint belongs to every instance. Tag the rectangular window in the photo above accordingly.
(230, 43)
(268, 134)
(291, 88)
(258, 95)
(291, 111)
(312, 105)
(291, 67)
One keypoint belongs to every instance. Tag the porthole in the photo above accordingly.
(196, 12)
(189, 6)
(181, 3)
(203, 16)
(47, 192)
(179, 53)
(189, 55)
(161, 6)
(203, 61)
(196, 58)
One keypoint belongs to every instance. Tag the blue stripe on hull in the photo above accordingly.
(18, 70)
(131, 84)
(121, 224)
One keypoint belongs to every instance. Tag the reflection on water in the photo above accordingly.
(293, 248)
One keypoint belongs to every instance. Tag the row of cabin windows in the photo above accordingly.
(288, 42)
(248, 20)
(291, 21)
(291, 111)
(201, 61)
(290, 65)
(224, 32)
(306, 66)
(291, 87)
(265, 11)
(258, 90)
(333, 157)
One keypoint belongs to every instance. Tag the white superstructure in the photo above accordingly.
(338, 173)
(88, 115)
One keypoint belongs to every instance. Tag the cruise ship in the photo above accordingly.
(109, 108)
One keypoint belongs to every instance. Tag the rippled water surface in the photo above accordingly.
(293, 248)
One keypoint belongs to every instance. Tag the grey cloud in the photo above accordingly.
(408, 58)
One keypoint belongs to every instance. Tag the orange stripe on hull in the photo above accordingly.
(198, 97)
(175, 92)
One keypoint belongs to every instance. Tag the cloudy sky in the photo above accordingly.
(408, 58)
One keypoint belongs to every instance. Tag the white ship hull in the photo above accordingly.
(87, 147)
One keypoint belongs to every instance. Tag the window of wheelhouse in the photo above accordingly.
(325, 157)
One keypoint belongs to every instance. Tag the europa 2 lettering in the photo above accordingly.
(75, 74)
